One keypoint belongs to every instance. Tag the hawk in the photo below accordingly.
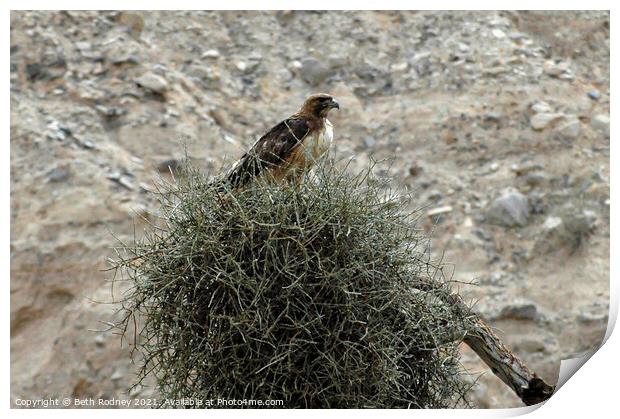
(290, 148)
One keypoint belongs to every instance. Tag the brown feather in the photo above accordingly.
(278, 153)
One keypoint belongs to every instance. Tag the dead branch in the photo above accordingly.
(530, 388)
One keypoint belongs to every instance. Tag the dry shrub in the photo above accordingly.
(320, 296)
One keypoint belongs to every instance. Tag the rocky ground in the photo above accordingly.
(499, 121)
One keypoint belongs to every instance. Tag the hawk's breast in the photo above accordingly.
(319, 143)
(308, 152)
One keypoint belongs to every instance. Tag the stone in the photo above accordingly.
(212, 53)
(248, 67)
(537, 178)
(542, 107)
(399, 67)
(241, 66)
(517, 36)
(121, 180)
(492, 118)
(463, 47)
(121, 53)
(122, 58)
(100, 340)
(601, 124)
(551, 235)
(439, 210)
(58, 174)
(448, 136)
(540, 121)
(498, 33)
(538, 201)
(135, 391)
(558, 70)
(313, 71)
(496, 70)
(495, 278)
(117, 375)
(83, 46)
(594, 95)
(86, 144)
(366, 71)
(338, 61)
(520, 310)
(434, 195)
(369, 141)
(579, 223)
(152, 82)
(169, 165)
(133, 21)
(295, 66)
(283, 74)
(414, 169)
(570, 129)
(34, 71)
(565, 230)
(57, 131)
(532, 345)
(110, 113)
(552, 223)
(206, 74)
(511, 209)
(526, 167)
(593, 314)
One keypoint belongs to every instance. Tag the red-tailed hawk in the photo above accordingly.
(291, 147)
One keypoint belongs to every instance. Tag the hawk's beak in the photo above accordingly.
(335, 104)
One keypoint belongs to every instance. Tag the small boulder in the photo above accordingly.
(211, 53)
(537, 178)
(566, 230)
(511, 209)
(313, 72)
(570, 129)
(58, 174)
(542, 107)
(152, 82)
(369, 141)
(579, 223)
(559, 70)
(601, 124)
(540, 121)
(520, 310)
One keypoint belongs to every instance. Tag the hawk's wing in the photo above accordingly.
(271, 150)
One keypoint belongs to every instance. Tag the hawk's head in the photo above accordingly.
(319, 105)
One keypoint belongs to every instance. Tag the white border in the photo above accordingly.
(591, 393)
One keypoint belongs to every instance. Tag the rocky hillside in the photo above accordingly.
(499, 121)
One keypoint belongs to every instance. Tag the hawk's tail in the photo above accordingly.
(239, 175)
